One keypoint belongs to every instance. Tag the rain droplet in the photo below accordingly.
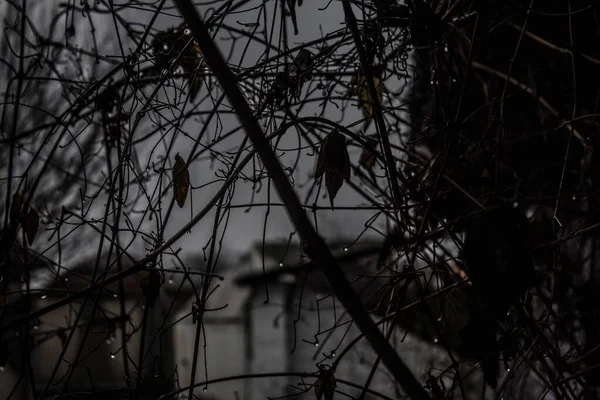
(439, 319)
(115, 295)
(515, 204)
(507, 369)
(165, 47)
(108, 341)
(574, 197)
(66, 279)
(204, 389)
(446, 48)
(281, 264)
(43, 297)
(333, 354)
(36, 327)
(436, 339)
(454, 80)
(316, 344)
(171, 281)
(1, 369)
(113, 356)
(187, 31)
(345, 249)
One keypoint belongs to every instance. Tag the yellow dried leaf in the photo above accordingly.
(181, 180)
(367, 157)
(365, 96)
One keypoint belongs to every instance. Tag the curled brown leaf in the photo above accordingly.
(181, 180)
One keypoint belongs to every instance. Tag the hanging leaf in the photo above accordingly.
(367, 157)
(16, 207)
(181, 180)
(325, 383)
(334, 162)
(292, 11)
(31, 223)
(193, 63)
(304, 63)
(333, 182)
(195, 84)
(150, 282)
(278, 90)
(365, 95)
(300, 72)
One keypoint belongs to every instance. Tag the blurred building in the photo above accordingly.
(104, 348)
(269, 323)
(276, 315)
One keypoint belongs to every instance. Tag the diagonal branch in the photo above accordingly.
(315, 246)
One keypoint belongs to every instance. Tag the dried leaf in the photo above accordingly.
(195, 84)
(31, 223)
(367, 157)
(300, 72)
(325, 384)
(334, 162)
(321, 161)
(150, 283)
(16, 207)
(365, 95)
(333, 182)
(292, 9)
(181, 180)
(303, 63)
